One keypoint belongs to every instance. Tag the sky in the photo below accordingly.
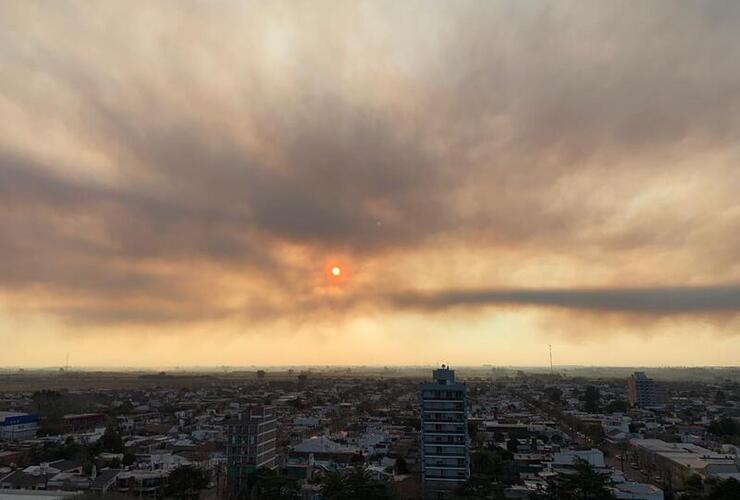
(179, 178)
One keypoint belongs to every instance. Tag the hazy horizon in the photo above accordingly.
(221, 368)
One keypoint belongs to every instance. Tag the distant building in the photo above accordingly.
(677, 462)
(141, 482)
(630, 490)
(444, 434)
(17, 426)
(324, 450)
(250, 444)
(83, 422)
(642, 391)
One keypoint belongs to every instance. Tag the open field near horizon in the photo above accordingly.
(19, 380)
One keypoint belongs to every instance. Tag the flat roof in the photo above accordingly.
(28, 494)
(5, 414)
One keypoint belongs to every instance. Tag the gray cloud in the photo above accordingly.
(652, 301)
(489, 126)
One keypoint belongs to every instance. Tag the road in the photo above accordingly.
(610, 452)
(610, 457)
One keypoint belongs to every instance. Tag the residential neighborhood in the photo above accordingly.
(507, 434)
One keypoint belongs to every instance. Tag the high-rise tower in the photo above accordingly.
(642, 391)
(250, 444)
(444, 434)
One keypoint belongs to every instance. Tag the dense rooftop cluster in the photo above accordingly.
(357, 432)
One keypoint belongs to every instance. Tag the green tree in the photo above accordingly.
(720, 398)
(472, 429)
(693, 488)
(584, 484)
(595, 433)
(491, 470)
(401, 466)
(186, 481)
(728, 489)
(495, 463)
(591, 399)
(617, 406)
(266, 484)
(554, 394)
(111, 441)
(479, 487)
(355, 484)
(50, 406)
(724, 427)
(49, 452)
(128, 459)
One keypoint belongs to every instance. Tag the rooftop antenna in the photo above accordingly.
(550, 359)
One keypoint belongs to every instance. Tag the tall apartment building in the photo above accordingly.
(444, 434)
(642, 390)
(250, 444)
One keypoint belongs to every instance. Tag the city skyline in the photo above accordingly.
(369, 183)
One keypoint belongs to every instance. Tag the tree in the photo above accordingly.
(729, 489)
(491, 470)
(472, 429)
(617, 406)
(693, 488)
(355, 484)
(711, 489)
(401, 466)
(479, 487)
(584, 484)
(554, 394)
(50, 406)
(724, 427)
(266, 484)
(720, 398)
(591, 399)
(49, 452)
(595, 433)
(128, 459)
(494, 463)
(111, 441)
(186, 481)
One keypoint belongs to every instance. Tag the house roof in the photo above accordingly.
(104, 477)
(22, 480)
(323, 444)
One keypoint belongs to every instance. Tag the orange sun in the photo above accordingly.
(335, 272)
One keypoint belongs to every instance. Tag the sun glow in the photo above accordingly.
(336, 273)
